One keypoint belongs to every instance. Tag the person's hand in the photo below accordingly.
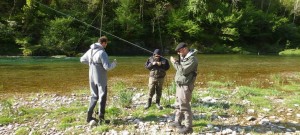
(173, 60)
(153, 63)
(115, 61)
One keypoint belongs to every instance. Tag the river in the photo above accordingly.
(63, 75)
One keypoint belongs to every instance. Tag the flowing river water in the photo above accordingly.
(63, 75)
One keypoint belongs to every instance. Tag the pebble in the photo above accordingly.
(281, 127)
(250, 111)
(264, 121)
(210, 126)
(250, 118)
(92, 123)
(227, 131)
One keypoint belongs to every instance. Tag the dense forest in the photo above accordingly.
(63, 27)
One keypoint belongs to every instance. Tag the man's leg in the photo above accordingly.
(93, 101)
(185, 106)
(178, 112)
(102, 100)
(151, 92)
(159, 86)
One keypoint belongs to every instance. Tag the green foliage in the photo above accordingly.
(277, 79)
(6, 108)
(113, 113)
(5, 120)
(178, 18)
(61, 37)
(260, 102)
(237, 109)
(292, 100)
(214, 26)
(290, 52)
(7, 34)
(216, 92)
(215, 84)
(26, 48)
(196, 6)
(102, 128)
(68, 119)
(128, 17)
(124, 95)
(22, 131)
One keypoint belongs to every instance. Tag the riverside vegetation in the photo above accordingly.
(220, 108)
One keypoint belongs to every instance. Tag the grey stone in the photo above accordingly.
(250, 118)
(92, 123)
(250, 111)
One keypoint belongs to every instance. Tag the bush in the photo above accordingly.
(290, 52)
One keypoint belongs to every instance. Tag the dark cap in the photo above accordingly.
(180, 45)
(156, 51)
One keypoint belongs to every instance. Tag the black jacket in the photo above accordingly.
(155, 70)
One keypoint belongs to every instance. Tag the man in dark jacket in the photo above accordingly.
(158, 67)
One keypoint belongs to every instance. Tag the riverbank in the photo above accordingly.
(221, 108)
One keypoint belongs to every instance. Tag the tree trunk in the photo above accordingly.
(269, 6)
(295, 10)
(101, 18)
(262, 4)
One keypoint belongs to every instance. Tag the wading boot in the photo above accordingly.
(90, 117)
(158, 104)
(148, 104)
(102, 120)
(185, 130)
(176, 124)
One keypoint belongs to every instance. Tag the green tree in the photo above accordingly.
(61, 37)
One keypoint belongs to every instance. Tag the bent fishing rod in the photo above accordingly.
(89, 25)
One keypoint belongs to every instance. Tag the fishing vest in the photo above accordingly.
(158, 71)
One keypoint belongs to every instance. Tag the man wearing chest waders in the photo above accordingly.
(158, 67)
(186, 72)
(99, 64)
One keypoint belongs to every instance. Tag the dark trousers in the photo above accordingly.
(98, 93)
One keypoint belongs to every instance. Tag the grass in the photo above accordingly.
(229, 102)
(6, 108)
(22, 131)
(218, 84)
(4, 120)
(291, 100)
(124, 94)
(102, 128)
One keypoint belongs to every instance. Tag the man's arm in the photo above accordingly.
(185, 67)
(85, 58)
(149, 64)
(105, 62)
(165, 64)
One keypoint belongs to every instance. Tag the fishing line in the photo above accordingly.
(89, 25)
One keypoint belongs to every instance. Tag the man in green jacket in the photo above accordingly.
(186, 72)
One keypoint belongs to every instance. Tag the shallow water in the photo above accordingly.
(62, 75)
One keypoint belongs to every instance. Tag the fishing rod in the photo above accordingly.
(89, 25)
